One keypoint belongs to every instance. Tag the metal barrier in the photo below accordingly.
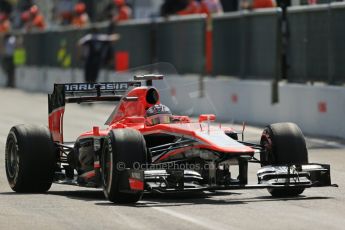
(247, 44)
(137, 41)
(263, 37)
(316, 43)
(33, 44)
(181, 41)
(228, 43)
(53, 48)
(308, 50)
(337, 45)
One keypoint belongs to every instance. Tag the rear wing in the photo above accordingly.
(88, 92)
(80, 93)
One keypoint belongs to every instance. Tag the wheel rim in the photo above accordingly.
(106, 167)
(267, 157)
(12, 161)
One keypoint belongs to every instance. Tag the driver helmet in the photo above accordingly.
(34, 10)
(158, 114)
(80, 8)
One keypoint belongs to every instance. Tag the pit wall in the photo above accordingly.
(317, 109)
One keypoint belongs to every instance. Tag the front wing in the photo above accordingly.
(273, 176)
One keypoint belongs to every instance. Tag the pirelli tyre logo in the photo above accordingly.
(120, 86)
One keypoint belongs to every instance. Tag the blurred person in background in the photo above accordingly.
(93, 49)
(192, 7)
(211, 6)
(5, 12)
(37, 19)
(117, 12)
(198, 7)
(25, 18)
(33, 19)
(123, 11)
(7, 53)
(258, 4)
(80, 17)
(63, 11)
(5, 24)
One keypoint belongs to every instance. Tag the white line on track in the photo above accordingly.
(197, 221)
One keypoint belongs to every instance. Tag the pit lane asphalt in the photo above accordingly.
(68, 207)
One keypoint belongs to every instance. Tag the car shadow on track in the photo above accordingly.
(86, 195)
(166, 200)
(161, 200)
(221, 198)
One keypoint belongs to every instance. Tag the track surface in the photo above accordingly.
(68, 207)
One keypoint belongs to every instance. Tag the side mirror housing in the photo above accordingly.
(207, 117)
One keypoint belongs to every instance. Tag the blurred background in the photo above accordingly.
(269, 39)
(285, 55)
(57, 12)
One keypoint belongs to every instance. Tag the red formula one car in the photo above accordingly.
(147, 149)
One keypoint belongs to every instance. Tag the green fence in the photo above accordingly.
(245, 44)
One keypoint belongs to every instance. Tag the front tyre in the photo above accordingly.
(283, 143)
(30, 159)
(123, 148)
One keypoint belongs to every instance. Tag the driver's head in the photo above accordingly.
(158, 114)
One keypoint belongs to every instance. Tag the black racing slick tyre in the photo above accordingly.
(283, 143)
(125, 148)
(30, 159)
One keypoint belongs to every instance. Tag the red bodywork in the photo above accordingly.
(131, 114)
(55, 122)
(182, 141)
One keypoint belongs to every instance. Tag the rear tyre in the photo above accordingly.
(283, 143)
(125, 148)
(30, 159)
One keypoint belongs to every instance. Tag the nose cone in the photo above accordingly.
(219, 141)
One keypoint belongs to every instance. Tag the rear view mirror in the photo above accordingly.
(207, 117)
